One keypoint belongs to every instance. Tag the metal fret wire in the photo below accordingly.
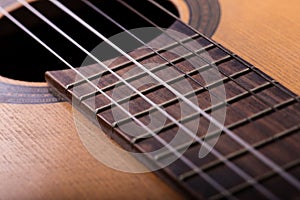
(192, 51)
(203, 59)
(187, 95)
(122, 65)
(267, 175)
(207, 178)
(231, 126)
(243, 151)
(242, 187)
(153, 70)
(217, 154)
(170, 62)
(276, 84)
(120, 26)
(213, 151)
(191, 117)
(264, 76)
(292, 180)
(147, 90)
(179, 148)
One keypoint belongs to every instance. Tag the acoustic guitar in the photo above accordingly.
(149, 99)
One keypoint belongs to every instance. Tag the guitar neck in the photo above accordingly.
(176, 102)
(262, 116)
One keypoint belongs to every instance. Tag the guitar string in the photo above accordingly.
(139, 58)
(285, 90)
(292, 180)
(158, 68)
(48, 22)
(148, 46)
(273, 82)
(124, 29)
(217, 154)
(170, 62)
(71, 13)
(264, 76)
(236, 57)
(202, 58)
(207, 178)
(295, 181)
(112, 20)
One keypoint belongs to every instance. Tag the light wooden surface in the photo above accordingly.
(45, 159)
(42, 156)
(266, 33)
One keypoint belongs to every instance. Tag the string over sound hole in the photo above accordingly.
(25, 59)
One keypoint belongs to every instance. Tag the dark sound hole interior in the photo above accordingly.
(22, 58)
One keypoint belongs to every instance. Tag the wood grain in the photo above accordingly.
(44, 159)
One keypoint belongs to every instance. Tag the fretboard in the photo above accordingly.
(250, 120)
(259, 110)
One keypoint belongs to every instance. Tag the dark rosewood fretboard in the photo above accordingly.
(259, 111)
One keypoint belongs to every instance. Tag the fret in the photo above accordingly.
(255, 70)
(267, 161)
(155, 69)
(261, 178)
(189, 94)
(237, 82)
(139, 58)
(261, 99)
(171, 81)
(291, 109)
(262, 113)
(242, 151)
(193, 116)
(233, 55)
(216, 133)
(198, 185)
(202, 58)
(274, 95)
(153, 23)
(274, 139)
(260, 73)
(244, 86)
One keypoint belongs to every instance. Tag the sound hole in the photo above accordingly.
(22, 58)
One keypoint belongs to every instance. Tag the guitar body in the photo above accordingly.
(42, 156)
